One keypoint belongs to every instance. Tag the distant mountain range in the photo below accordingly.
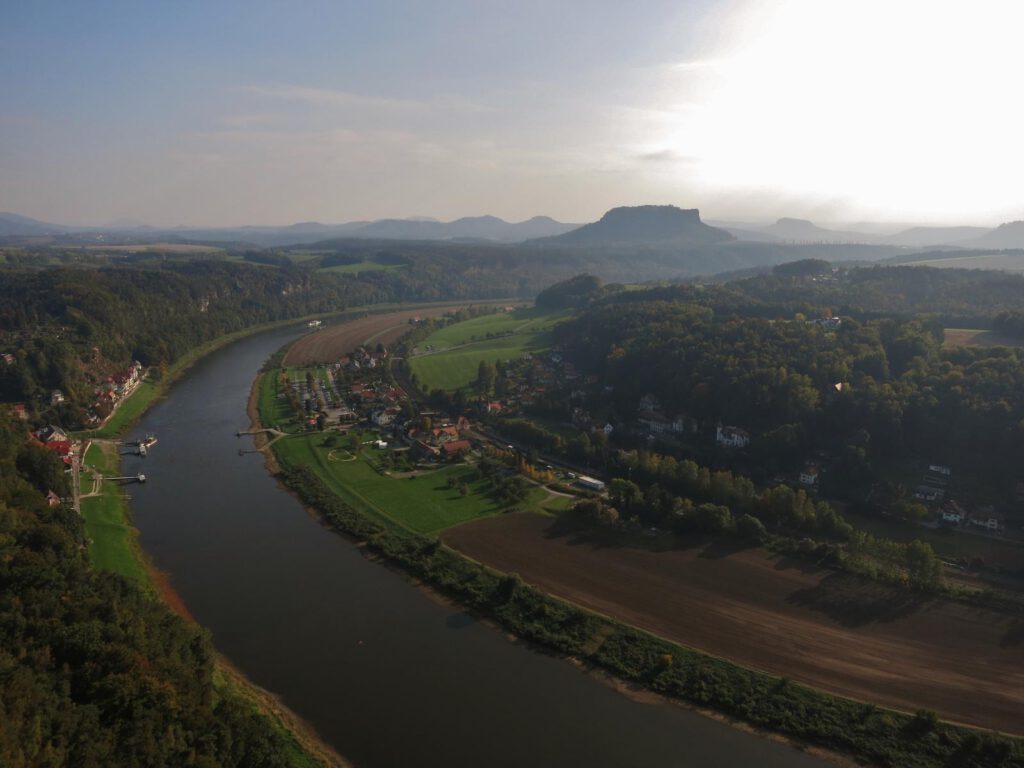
(645, 224)
(484, 228)
(648, 224)
(13, 225)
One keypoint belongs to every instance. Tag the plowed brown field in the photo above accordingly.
(826, 629)
(333, 341)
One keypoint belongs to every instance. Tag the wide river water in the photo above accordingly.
(386, 675)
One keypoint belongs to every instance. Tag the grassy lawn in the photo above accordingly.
(112, 544)
(274, 411)
(424, 504)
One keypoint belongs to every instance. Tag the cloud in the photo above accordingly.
(696, 64)
(330, 97)
(665, 156)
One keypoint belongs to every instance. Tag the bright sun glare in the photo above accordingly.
(895, 107)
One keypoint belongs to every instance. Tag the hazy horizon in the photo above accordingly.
(234, 114)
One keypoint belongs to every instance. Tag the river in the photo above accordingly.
(386, 675)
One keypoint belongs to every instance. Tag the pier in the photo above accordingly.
(140, 478)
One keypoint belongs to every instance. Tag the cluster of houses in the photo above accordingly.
(985, 517)
(56, 440)
(356, 390)
(115, 388)
(106, 396)
(530, 378)
(651, 417)
(442, 440)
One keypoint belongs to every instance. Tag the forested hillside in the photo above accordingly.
(93, 672)
(967, 298)
(67, 328)
(870, 393)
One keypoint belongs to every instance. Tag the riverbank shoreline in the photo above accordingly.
(229, 681)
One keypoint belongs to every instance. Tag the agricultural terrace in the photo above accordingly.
(421, 501)
(449, 358)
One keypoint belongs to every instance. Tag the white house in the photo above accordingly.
(953, 514)
(986, 517)
(732, 437)
(382, 418)
(809, 475)
(649, 404)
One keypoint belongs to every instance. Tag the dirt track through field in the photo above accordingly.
(333, 341)
(815, 626)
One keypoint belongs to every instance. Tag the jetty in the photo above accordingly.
(140, 478)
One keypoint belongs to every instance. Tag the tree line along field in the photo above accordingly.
(457, 350)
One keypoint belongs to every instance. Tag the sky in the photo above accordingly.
(229, 113)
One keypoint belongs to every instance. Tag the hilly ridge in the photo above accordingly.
(644, 224)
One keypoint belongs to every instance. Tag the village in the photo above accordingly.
(358, 396)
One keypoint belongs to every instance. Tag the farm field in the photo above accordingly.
(976, 337)
(461, 347)
(157, 248)
(298, 257)
(457, 368)
(111, 535)
(525, 320)
(360, 266)
(815, 626)
(422, 504)
(1010, 261)
(333, 341)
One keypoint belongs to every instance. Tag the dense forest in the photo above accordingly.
(957, 297)
(93, 671)
(871, 395)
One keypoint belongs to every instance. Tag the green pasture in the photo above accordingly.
(112, 544)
